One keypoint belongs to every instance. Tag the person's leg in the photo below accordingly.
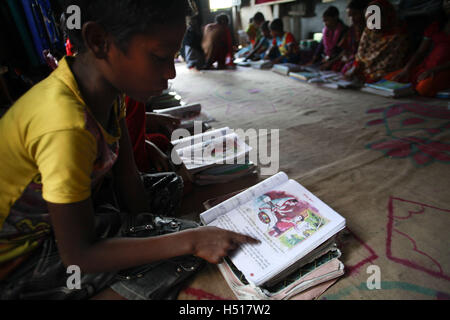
(391, 75)
(431, 86)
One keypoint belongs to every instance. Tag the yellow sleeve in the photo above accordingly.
(65, 161)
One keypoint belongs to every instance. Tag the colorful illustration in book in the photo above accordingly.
(227, 146)
(287, 218)
(212, 149)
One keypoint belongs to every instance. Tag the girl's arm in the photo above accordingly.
(127, 181)
(430, 72)
(74, 228)
(415, 59)
(73, 225)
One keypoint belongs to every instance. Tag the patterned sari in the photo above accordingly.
(382, 51)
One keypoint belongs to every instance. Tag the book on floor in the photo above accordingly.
(388, 88)
(188, 114)
(332, 80)
(444, 94)
(164, 101)
(318, 274)
(286, 68)
(243, 62)
(220, 147)
(261, 64)
(201, 137)
(290, 222)
(303, 75)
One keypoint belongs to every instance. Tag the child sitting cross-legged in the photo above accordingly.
(59, 141)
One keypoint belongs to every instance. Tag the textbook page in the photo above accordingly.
(180, 111)
(251, 193)
(289, 221)
(223, 150)
(208, 135)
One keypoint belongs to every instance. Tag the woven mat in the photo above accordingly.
(383, 164)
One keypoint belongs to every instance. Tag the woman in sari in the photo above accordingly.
(217, 43)
(429, 68)
(350, 43)
(333, 32)
(383, 50)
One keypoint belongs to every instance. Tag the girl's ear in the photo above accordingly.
(96, 39)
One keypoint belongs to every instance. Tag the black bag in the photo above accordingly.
(168, 275)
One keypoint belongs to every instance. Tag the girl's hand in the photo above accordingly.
(213, 244)
(161, 123)
(424, 75)
(401, 76)
(158, 158)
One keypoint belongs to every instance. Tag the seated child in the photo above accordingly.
(294, 54)
(192, 44)
(254, 30)
(261, 47)
(60, 140)
(429, 68)
(350, 42)
(333, 32)
(217, 43)
(277, 53)
(380, 51)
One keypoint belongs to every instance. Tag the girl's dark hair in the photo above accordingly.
(359, 5)
(222, 19)
(258, 17)
(125, 18)
(265, 26)
(277, 25)
(331, 12)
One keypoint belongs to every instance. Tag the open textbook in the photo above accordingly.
(209, 149)
(290, 222)
(327, 79)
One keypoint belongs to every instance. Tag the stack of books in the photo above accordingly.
(243, 62)
(304, 76)
(333, 80)
(388, 88)
(286, 68)
(215, 156)
(261, 64)
(297, 257)
(168, 99)
(445, 94)
(189, 114)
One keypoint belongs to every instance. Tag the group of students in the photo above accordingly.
(71, 194)
(202, 48)
(365, 54)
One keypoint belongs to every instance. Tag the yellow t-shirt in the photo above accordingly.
(53, 149)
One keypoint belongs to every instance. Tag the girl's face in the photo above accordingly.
(356, 17)
(275, 34)
(330, 22)
(144, 70)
